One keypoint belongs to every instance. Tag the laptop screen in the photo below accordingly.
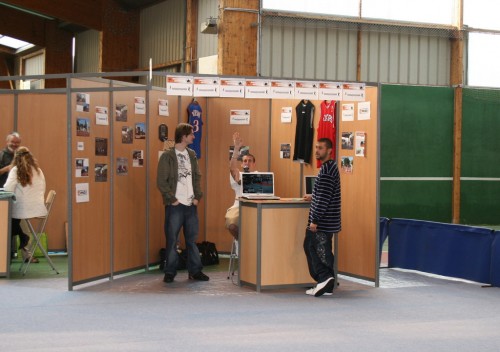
(257, 183)
(309, 184)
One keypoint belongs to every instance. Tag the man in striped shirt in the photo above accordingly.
(324, 221)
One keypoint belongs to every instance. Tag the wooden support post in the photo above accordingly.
(358, 57)
(191, 55)
(238, 37)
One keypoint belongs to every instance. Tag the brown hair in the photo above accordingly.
(25, 163)
(183, 129)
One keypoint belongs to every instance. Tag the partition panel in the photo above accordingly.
(287, 173)
(6, 116)
(129, 183)
(219, 195)
(91, 221)
(156, 207)
(358, 240)
(42, 125)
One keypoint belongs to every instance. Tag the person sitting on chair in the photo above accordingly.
(248, 165)
(27, 182)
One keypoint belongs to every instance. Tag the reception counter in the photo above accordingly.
(5, 204)
(271, 253)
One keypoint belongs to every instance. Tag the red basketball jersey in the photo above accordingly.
(326, 126)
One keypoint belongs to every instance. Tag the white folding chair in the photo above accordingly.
(232, 259)
(37, 234)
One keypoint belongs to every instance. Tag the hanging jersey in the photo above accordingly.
(326, 126)
(194, 119)
(304, 132)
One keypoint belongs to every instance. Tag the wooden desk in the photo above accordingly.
(5, 204)
(271, 253)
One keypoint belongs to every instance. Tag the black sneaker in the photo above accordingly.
(199, 276)
(168, 278)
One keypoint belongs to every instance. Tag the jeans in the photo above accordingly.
(320, 259)
(177, 216)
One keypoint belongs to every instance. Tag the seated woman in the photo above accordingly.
(27, 182)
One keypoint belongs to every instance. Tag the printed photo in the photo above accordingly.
(101, 146)
(121, 111)
(82, 127)
(101, 172)
(347, 140)
(127, 135)
(140, 130)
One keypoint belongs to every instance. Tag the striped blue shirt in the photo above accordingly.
(325, 203)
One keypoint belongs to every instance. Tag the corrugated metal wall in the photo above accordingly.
(207, 43)
(308, 49)
(299, 49)
(87, 52)
(405, 58)
(162, 37)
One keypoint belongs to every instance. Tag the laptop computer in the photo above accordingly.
(257, 185)
(309, 185)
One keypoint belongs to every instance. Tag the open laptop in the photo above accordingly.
(309, 185)
(257, 185)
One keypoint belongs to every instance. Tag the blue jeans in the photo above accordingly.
(177, 216)
(318, 250)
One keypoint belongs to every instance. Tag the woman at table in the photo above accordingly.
(27, 182)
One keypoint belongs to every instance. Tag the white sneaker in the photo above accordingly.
(310, 292)
(325, 286)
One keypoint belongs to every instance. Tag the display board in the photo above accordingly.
(416, 152)
(358, 162)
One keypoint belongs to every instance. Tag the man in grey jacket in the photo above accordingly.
(178, 180)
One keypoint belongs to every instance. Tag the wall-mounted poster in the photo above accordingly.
(101, 115)
(121, 112)
(239, 117)
(101, 146)
(82, 192)
(347, 165)
(101, 172)
(347, 140)
(364, 110)
(286, 114)
(127, 135)
(137, 158)
(82, 102)
(140, 106)
(81, 167)
(163, 107)
(121, 166)
(360, 142)
(347, 112)
(140, 130)
(285, 150)
(83, 127)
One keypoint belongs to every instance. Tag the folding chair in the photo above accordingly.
(37, 234)
(232, 259)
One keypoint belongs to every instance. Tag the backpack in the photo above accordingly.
(181, 264)
(208, 253)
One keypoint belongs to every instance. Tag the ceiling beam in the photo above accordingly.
(86, 13)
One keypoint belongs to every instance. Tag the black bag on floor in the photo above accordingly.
(181, 264)
(208, 252)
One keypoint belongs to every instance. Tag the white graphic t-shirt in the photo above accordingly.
(184, 192)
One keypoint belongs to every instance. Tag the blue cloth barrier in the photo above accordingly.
(383, 232)
(444, 249)
(495, 260)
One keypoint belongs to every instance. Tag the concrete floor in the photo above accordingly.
(409, 311)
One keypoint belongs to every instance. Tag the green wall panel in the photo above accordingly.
(480, 203)
(422, 200)
(416, 131)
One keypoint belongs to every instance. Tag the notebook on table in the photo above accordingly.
(257, 185)
(309, 185)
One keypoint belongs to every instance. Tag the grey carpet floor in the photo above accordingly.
(408, 312)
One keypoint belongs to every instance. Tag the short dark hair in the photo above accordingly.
(250, 155)
(182, 129)
(327, 141)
